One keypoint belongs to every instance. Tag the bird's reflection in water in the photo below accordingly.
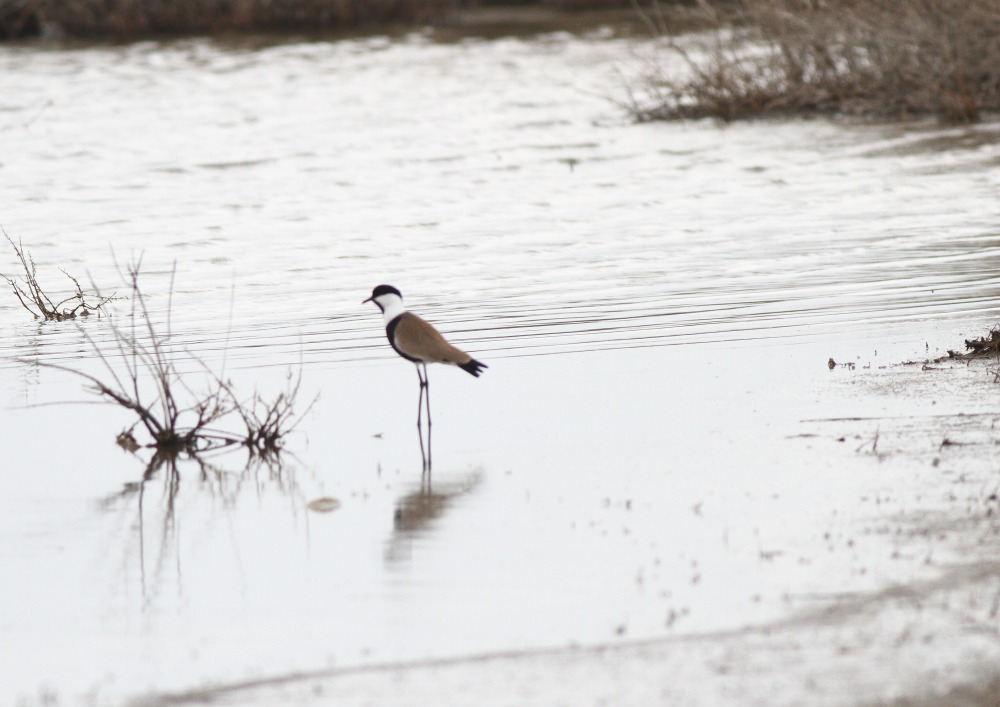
(418, 511)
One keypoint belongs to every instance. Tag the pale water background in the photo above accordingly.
(657, 304)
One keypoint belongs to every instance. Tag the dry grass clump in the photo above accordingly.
(37, 301)
(884, 58)
(980, 347)
(130, 18)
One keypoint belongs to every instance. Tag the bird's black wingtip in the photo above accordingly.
(473, 366)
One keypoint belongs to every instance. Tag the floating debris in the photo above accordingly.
(324, 505)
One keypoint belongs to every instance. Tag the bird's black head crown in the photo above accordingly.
(385, 290)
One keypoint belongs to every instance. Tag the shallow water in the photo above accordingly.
(657, 304)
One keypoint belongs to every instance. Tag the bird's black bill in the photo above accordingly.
(367, 300)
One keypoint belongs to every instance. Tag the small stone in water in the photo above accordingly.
(324, 505)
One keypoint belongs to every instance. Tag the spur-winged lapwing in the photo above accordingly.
(417, 341)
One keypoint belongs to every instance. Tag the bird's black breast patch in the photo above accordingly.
(390, 332)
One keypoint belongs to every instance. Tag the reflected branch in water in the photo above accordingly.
(158, 518)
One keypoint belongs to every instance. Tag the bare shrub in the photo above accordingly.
(177, 416)
(887, 58)
(18, 19)
(37, 301)
(266, 422)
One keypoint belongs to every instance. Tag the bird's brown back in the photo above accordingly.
(417, 339)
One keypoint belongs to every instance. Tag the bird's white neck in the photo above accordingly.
(392, 307)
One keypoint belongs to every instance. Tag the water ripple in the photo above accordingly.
(527, 222)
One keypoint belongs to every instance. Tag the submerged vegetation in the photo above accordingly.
(877, 58)
(189, 411)
(177, 417)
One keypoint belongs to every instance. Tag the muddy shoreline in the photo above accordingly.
(873, 650)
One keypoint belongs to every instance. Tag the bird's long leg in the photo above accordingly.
(420, 400)
(420, 411)
(427, 402)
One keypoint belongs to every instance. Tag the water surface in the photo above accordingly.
(657, 304)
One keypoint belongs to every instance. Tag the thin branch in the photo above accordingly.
(177, 414)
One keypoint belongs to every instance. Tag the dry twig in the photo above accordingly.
(37, 301)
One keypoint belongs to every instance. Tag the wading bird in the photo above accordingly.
(417, 341)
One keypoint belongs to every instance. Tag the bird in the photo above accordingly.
(416, 340)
